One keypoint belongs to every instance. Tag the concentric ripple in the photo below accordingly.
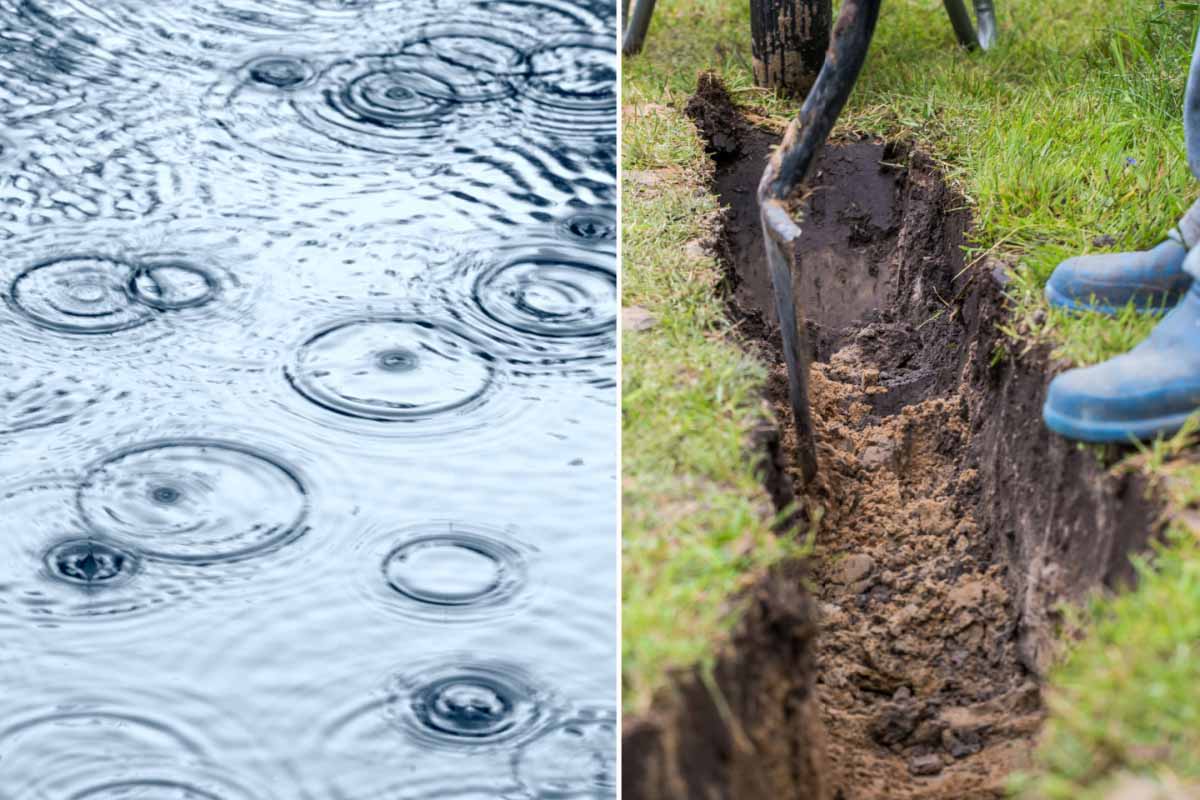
(468, 705)
(101, 749)
(572, 87)
(56, 572)
(392, 370)
(64, 750)
(386, 103)
(447, 571)
(79, 295)
(551, 292)
(576, 758)
(96, 295)
(456, 569)
(171, 287)
(163, 787)
(90, 562)
(155, 781)
(347, 113)
(195, 501)
(492, 54)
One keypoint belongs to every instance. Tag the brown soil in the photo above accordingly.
(749, 728)
(949, 523)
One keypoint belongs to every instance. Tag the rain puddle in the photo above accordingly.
(307, 399)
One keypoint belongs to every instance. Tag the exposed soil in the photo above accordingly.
(748, 729)
(949, 523)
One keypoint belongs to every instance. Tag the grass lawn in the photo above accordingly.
(696, 520)
(1067, 138)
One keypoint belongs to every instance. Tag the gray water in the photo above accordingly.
(307, 401)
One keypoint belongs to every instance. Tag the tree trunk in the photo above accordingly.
(789, 42)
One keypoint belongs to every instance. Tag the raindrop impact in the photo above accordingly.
(88, 562)
(195, 501)
(456, 569)
(171, 287)
(590, 226)
(550, 292)
(80, 294)
(571, 90)
(279, 72)
(391, 370)
(94, 295)
(468, 705)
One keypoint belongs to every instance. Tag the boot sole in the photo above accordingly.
(1112, 432)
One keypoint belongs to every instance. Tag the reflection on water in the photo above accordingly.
(307, 399)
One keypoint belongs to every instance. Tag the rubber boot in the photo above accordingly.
(1153, 279)
(1150, 390)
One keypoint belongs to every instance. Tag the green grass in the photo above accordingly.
(1125, 700)
(1070, 130)
(696, 520)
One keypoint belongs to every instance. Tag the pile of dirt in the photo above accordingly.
(949, 523)
(919, 681)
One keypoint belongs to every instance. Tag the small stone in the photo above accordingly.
(961, 744)
(636, 318)
(875, 455)
(855, 568)
(902, 694)
(695, 249)
(925, 765)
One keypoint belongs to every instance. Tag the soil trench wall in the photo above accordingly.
(881, 251)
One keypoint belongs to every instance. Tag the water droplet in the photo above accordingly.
(90, 562)
(468, 705)
(280, 72)
(589, 226)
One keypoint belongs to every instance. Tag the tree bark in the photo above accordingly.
(789, 41)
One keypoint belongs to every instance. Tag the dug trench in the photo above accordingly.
(906, 658)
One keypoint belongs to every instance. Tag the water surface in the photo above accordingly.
(307, 401)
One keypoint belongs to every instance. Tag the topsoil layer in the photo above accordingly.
(949, 524)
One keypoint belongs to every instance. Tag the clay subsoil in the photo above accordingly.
(949, 524)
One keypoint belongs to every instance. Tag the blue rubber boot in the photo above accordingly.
(1153, 279)
(1152, 389)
